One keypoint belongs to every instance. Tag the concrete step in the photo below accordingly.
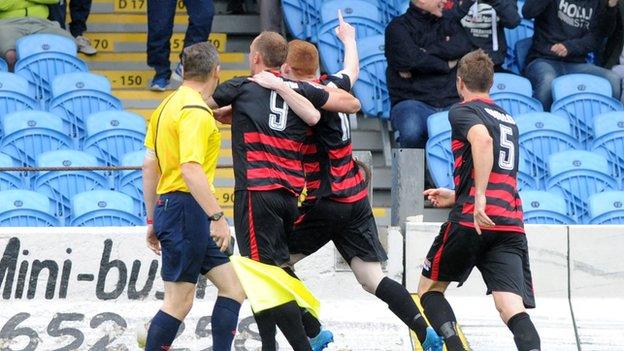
(141, 79)
(128, 41)
(140, 6)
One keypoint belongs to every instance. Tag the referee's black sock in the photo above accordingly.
(288, 319)
(403, 306)
(525, 334)
(311, 325)
(442, 319)
(266, 329)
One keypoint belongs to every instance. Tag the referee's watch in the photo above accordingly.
(217, 216)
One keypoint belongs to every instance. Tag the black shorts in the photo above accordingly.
(183, 229)
(351, 227)
(502, 258)
(263, 220)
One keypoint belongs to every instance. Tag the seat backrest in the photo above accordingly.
(103, 208)
(112, 134)
(533, 121)
(609, 141)
(511, 83)
(517, 104)
(3, 66)
(24, 120)
(438, 150)
(66, 158)
(38, 43)
(523, 47)
(607, 207)
(580, 110)
(114, 120)
(542, 207)
(371, 87)
(607, 123)
(571, 84)
(13, 82)
(573, 160)
(302, 17)
(24, 208)
(79, 81)
(131, 181)
(9, 180)
(390, 8)
(526, 180)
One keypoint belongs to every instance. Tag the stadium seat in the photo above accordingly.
(302, 18)
(371, 86)
(606, 208)
(511, 83)
(522, 51)
(61, 186)
(40, 43)
(24, 208)
(542, 207)
(112, 134)
(131, 181)
(522, 31)
(580, 110)
(517, 104)
(571, 84)
(14, 94)
(9, 180)
(389, 9)
(103, 208)
(77, 95)
(525, 180)
(577, 175)
(440, 158)
(609, 142)
(541, 135)
(361, 14)
(3, 66)
(27, 134)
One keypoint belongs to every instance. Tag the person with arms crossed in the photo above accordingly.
(270, 121)
(337, 207)
(185, 221)
(485, 226)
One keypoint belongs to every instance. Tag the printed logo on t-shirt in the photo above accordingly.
(575, 15)
(479, 20)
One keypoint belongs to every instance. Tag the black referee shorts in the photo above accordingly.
(263, 221)
(502, 258)
(351, 226)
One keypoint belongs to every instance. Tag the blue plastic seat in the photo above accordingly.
(361, 14)
(526, 181)
(522, 31)
(302, 18)
(112, 134)
(517, 104)
(440, 158)
(371, 87)
(131, 181)
(14, 94)
(390, 9)
(9, 180)
(61, 186)
(41, 43)
(3, 66)
(103, 208)
(511, 83)
(607, 208)
(542, 207)
(522, 51)
(609, 141)
(24, 208)
(571, 84)
(541, 135)
(577, 175)
(27, 134)
(77, 95)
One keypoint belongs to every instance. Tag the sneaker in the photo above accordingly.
(141, 334)
(321, 341)
(433, 342)
(159, 84)
(178, 73)
(84, 45)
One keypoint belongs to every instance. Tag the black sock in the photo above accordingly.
(288, 319)
(224, 320)
(162, 331)
(266, 329)
(525, 334)
(442, 319)
(311, 325)
(403, 306)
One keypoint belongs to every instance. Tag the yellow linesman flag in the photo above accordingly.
(269, 286)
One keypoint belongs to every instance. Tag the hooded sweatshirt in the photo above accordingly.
(421, 44)
(573, 23)
(25, 8)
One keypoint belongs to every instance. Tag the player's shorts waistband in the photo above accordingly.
(180, 197)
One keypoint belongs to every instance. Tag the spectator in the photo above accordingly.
(565, 32)
(485, 22)
(79, 11)
(160, 16)
(19, 18)
(613, 55)
(422, 48)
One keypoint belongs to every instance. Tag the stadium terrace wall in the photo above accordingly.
(578, 278)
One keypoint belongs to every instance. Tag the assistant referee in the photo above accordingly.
(184, 219)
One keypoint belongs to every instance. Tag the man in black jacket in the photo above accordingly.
(565, 32)
(422, 48)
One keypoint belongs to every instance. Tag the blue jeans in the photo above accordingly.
(160, 15)
(541, 73)
(409, 120)
(78, 10)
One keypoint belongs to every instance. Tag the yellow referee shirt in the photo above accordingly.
(182, 130)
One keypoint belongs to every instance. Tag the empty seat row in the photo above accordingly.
(541, 207)
(99, 208)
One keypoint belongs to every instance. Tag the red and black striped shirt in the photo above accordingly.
(503, 204)
(268, 138)
(331, 171)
